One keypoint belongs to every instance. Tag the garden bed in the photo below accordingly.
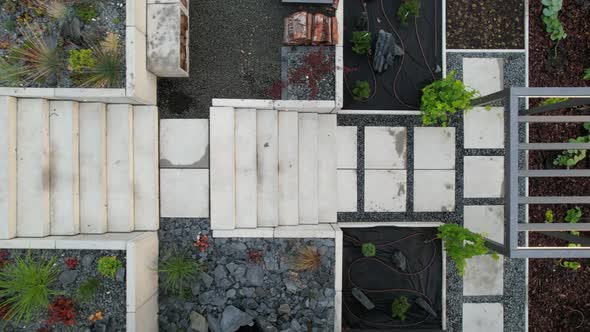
(309, 72)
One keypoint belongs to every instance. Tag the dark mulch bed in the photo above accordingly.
(485, 24)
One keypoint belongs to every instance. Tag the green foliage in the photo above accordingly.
(549, 218)
(573, 215)
(572, 157)
(85, 11)
(108, 265)
(361, 42)
(116, 20)
(461, 244)
(26, 285)
(361, 91)
(400, 307)
(177, 273)
(10, 25)
(587, 74)
(550, 17)
(369, 249)
(408, 9)
(574, 245)
(554, 100)
(88, 289)
(108, 64)
(574, 266)
(444, 97)
(81, 59)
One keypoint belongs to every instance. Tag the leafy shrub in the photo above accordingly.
(177, 272)
(88, 289)
(573, 215)
(108, 64)
(361, 91)
(550, 17)
(587, 74)
(554, 100)
(443, 97)
(62, 311)
(572, 157)
(574, 266)
(408, 9)
(81, 59)
(400, 307)
(549, 217)
(108, 266)
(361, 42)
(85, 11)
(369, 249)
(461, 244)
(307, 259)
(26, 285)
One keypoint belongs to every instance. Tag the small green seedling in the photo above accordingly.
(407, 10)
(574, 245)
(550, 17)
(361, 42)
(553, 100)
(573, 215)
(400, 307)
(549, 218)
(361, 91)
(574, 266)
(369, 249)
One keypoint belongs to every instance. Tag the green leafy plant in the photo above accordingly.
(108, 266)
(573, 215)
(85, 11)
(550, 17)
(88, 289)
(549, 218)
(461, 244)
(587, 74)
(177, 272)
(554, 100)
(81, 60)
(108, 64)
(26, 286)
(116, 20)
(444, 97)
(574, 245)
(408, 9)
(400, 307)
(362, 91)
(574, 266)
(369, 249)
(361, 42)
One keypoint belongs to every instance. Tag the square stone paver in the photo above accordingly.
(484, 177)
(483, 275)
(385, 147)
(347, 147)
(385, 191)
(484, 74)
(483, 317)
(434, 191)
(484, 129)
(184, 143)
(184, 193)
(485, 219)
(434, 148)
(347, 190)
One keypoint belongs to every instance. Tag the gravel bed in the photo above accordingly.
(292, 59)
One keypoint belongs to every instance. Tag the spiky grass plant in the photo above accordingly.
(26, 285)
(177, 272)
(307, 259)
(58, 10)
(108, 64)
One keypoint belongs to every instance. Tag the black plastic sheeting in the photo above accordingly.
(382, 282)
(413, 74)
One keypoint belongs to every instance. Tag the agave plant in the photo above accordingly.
(108, 64)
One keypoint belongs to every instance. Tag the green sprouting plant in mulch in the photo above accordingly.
(178, 271)
(369, 249)
(362, 91)
(88, 289)
(108, 266)
(554, 100)
(574, 266)
(462, 244)
(444, 97)
(573, 215)
(400, 307)
(407, 10)
(361, 42)
(587, 74)
(572, 157)
(81, 59)
(26, 285)
(85, 11)
(549, 217)
(550, 17)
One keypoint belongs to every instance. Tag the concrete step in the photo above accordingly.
(288, 169)
(246, 172)
(93, 168)
(327, 166)
(222, 163)
(8, 175)
(33, 168)
(64, 167)
(120, 168)
(146, 171)
(308, 168)
(267, 140)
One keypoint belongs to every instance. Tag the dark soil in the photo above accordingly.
(485, 24)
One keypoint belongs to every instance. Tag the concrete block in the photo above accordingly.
(136, 11)
(145, 319)
(483, 317)
(483, 177)
(347, 147)
(305, 106)
(347, 190)
(141, 85)
(320, 231)
(434, 148)
(385, 147)
(259, 104)
(64, 133)
(308, 168)
(261, 232)
(485, 75)
(184, 143)
(107, 241)
(142, 270)
(47, 93)
(246, 171)
(484, 276)
(339, 259)
(33, 168)
(93, 168)
(184, 193)
(222, 142)
(327, 176)
(163, 44)
(107, 95)
(485, 219)
(434, 191)
(339, 78)
(267, 147)
(8, 175)
(288, 168)
(120, 167)
(385, 190)
(47, 242)
(484, 129)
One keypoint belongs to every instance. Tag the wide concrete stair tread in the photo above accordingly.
(267, 149)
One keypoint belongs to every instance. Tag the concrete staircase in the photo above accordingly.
(272, 168)
(70, 167)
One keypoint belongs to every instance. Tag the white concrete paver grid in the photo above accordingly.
(483, 276)
(385, 190)
(483, 177)
(184, 193)
(485, 219)
(434, 190)
(483, 317)
(434, 148)
(484, 129)
(385, 147)
(347, 190)
(347, 147)
(184, 143)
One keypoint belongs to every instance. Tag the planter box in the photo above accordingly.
(140, 84)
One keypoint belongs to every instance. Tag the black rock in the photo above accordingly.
(399, 261)
(120, 275)
(362, 298)
(67, 277)
(386, 50)
(426, 307)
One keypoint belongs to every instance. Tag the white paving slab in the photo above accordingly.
(484, 74)
(64, 161)
(327, 176)
(246, 172)
(120, 198)
(485, 219)
(288, 168)
(484, 129)
(347, 147)
(184, 193)
(146, 171)
(267, 149)
(308, 168)
(385, 147)
(434, 191)
(8, 174)
(434, 148)
(347, 190)
(260, 232)
(483, 275)
(33, 168)
(483, 177)
(483, 317)
(93, 168)
(184, 143)
(305, 231)
(221, 121)
(142, 270)
(385, 190)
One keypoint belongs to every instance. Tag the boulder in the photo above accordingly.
(233, 318)
(386, 50)
(199, 322)
(362, 298)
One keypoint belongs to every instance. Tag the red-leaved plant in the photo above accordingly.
(62, 310)
(4, 258)
(202, 242)
(255, 256)
(316, 66)
(71, 262)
